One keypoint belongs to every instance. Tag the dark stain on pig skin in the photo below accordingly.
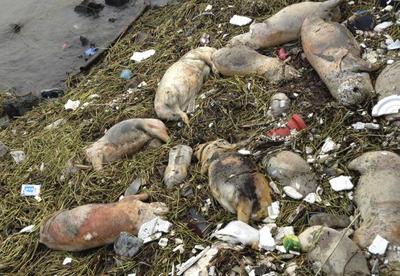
(236, 170)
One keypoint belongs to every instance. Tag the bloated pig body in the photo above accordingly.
(181, 83)
(285, 25)
(124, 139)
(378, 196)
(94, 225)
(335, 54)
(235, 181)
(242, 61)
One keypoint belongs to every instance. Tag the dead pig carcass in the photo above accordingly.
(94, 225)
(124, 139)
(180, 84)
(234, 180)
(285, 25)
(335, 54)
(243, 61)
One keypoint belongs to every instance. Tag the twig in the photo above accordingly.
(344, 231)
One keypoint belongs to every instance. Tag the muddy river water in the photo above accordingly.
(42, 41)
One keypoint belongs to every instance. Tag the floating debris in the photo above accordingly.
(341, 183)
(378, 245)
(383, 26)
(18, 156)
(30, 190)
(386, 106)
(67, 260)
(140, 56)
(27, 229)
(238, 232)
(72, 105)
(154, 226)
(239, 20)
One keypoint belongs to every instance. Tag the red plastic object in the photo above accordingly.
(296, 122)
(282, 54)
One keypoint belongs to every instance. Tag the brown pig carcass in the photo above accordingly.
(180, 84)
(242, 61)
(124, 139)
(335, 54)
(285, 25)
(234, 180)
(95, 225)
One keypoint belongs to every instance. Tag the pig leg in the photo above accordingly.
(244, 209)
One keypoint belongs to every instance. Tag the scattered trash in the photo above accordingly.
(283, 232)
(376, 196)
(239, 20)
(238, 232)
(140, 56)
(3, 149)
(179, 160)
(266, 242)
(280, 104)
(291, 243)
(180, 248)
(383, 26)
(241, 176)
(78, 229)
(387, 106)
(330, 220)
(341, 183)
(18, 156)
(208, 8)
(295, 123)
(378, 245)
(244, 152)
(126, 74)
(282, 54)
(329, 146)
(197, 222)
(292, 192)
(56, 124)
(205, 39)
(311, 198)
(395, 45)
(67, 260)
(30, 190)
(154, 226)
(273, 210)
(163, 242)
(132, 134)
(363, 21)
(90, 52)
(362, 126)
(334, 251)
(200, 264)
(127, 245)
(27, 229)
(52, 93)
(134, 186)
(72, 105)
